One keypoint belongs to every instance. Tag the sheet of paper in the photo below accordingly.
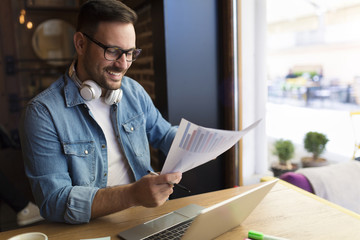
(195, 145)
(102, 238)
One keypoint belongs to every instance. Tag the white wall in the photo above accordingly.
(254, 88)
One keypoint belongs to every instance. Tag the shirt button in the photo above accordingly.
(105, 174)
(86, 152)
(132, 129)
(103, 146)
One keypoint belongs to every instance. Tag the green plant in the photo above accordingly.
(284, 149)
(315, 143)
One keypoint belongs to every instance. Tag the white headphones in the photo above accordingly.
(90, 90)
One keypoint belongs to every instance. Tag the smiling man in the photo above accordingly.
(86, 138)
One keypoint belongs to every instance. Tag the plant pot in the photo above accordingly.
(279, 169)
(309, 162)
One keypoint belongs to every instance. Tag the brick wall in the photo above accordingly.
(142, 70)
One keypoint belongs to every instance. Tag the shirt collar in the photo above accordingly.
(71, 92)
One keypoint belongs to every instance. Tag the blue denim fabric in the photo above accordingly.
(65, 151)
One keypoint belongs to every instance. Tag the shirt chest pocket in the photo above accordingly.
(136, 133)
(81, 161)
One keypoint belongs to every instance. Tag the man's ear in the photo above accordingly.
(79, 43)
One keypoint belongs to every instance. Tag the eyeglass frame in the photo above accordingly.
(105, 47)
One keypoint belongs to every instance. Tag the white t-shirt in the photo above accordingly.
(118, 167)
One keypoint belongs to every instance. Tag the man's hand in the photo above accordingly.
(153, 191)
(149, 191)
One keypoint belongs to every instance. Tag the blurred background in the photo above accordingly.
(313, 73)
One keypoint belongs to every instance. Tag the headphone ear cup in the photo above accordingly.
(113, 96)
(90, 90)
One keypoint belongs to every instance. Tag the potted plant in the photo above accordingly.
(315, 143)
(284, 150)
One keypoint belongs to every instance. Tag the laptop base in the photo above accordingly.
(166, 221)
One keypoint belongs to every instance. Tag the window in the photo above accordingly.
(313, 73)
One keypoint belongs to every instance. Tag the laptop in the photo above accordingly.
(197, 222)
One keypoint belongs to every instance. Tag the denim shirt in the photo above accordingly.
(65, 150)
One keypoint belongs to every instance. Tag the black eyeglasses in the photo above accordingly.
(113, 53)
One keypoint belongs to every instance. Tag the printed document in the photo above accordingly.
(195, 145)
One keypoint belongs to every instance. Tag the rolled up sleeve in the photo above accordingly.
(79, 207)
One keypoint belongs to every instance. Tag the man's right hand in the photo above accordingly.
(153, 191)
(149, 191)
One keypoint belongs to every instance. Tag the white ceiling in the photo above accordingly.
(279, 10)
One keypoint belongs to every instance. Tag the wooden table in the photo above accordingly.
(286, 211)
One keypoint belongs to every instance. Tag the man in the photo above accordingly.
(86, 143)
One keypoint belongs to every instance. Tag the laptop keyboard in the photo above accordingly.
(175, 232)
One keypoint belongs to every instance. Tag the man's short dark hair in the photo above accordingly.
(93, 12)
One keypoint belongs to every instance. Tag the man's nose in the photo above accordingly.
(121, 62)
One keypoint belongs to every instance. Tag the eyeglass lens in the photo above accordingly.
(113, 54)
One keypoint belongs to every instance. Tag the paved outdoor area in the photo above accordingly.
(292, 119)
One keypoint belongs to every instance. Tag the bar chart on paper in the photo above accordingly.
(202, 140)
(195, 145)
